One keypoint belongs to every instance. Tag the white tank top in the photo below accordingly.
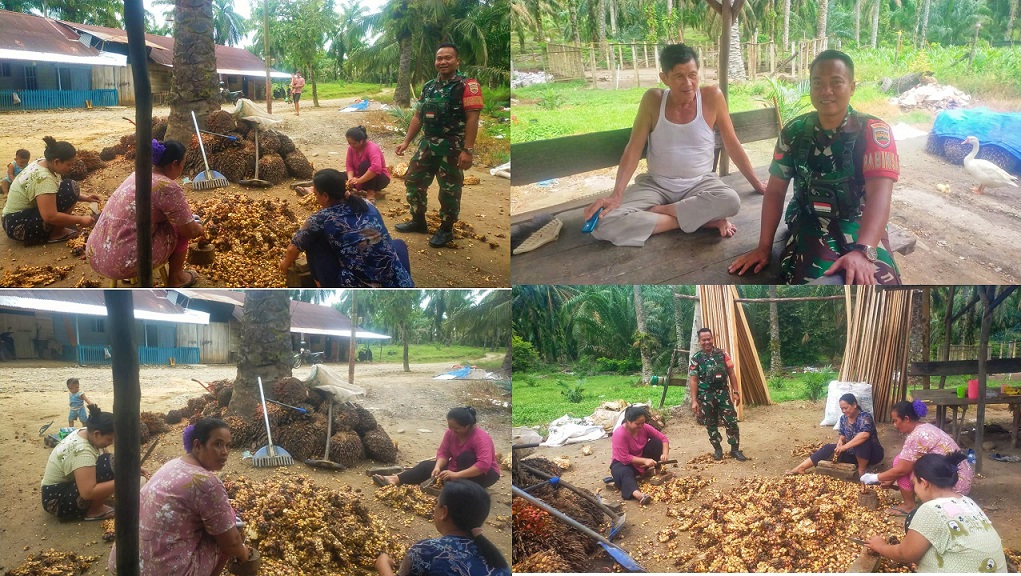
(681, 154)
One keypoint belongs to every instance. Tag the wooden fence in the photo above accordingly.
(1004, 349)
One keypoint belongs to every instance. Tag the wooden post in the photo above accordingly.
(988, 294)
(655, 55)
(352, 346)
(926, 331)
(772, 58)
(134, 24)
(645, 51)
(609, 65)
(595, 70)
(947, 318)
(634, 64)
(127, 394)
(726, 22)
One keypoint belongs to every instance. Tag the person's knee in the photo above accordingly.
(729, 201)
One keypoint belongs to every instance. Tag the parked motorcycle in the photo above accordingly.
(228, 96)
(305, 356)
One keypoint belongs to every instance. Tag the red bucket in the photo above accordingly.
(973, 389)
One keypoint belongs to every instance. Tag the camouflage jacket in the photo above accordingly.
(442, 111)
(711, 369)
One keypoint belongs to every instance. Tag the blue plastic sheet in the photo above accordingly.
(1000, 128)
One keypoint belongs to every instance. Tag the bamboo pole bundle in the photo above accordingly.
(721, 313)
(877, 344)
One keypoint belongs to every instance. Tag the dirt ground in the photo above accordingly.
(319, 133)
(411, 407)
(768, 435)
(961, 237)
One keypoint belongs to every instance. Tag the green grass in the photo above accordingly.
(425, 353)
(543, 402)
(334, 90)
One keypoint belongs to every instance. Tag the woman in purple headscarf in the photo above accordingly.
(112, 246)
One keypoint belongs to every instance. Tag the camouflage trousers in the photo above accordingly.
(424, 165)
(716, 407)
(811, 250)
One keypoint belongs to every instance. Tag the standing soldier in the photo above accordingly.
(449, 112)
(713, 393)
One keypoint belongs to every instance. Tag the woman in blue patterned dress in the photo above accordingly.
(346, 243)
(857, 444)
(461, 550)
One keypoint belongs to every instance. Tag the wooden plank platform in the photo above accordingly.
(670, 258)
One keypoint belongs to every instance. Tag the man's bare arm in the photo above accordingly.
(644, 123)
(731, 143)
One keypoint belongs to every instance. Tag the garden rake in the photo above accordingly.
(269, 455)
(209, 179)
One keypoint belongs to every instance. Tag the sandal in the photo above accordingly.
(70, 235)
(896, 512)
(645, 500)
(193, 278)
(380, 481)
(104, 516)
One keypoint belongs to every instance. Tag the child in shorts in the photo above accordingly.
(78, 400)
(21, 158)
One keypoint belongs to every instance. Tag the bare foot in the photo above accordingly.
(185, 279)
(793, 471)
(978, 189)
(723, 225)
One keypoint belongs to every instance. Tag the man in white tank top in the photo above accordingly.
(680, 190)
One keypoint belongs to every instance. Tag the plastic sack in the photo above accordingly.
(331, 382)
(862, 392)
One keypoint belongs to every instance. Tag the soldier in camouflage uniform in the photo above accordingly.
(843, 164)
(449, 114)
(712, 399)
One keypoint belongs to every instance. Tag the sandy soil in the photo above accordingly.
(767, 437)
(962, 238)
(319, 133)
(411, 407)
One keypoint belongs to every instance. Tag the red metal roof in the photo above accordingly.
(20, 31)
(304, 316)
(227, 58)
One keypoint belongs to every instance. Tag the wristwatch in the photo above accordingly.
(869, 251)
(470, 151)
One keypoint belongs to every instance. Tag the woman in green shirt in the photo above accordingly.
(948, 532)
(39, 204)
(79, 475)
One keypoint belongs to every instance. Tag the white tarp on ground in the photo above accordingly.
(567, 430)
(522, 79)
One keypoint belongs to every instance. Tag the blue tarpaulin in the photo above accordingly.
(1000, 128)
(357, 106)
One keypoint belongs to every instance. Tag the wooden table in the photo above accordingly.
(942, 399)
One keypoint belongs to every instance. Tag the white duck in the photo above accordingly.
(987, 173)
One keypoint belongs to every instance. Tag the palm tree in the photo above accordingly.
(107, 13)
(642, 335)
(229, 27)
(605, 321)
(820, 26)
(398, 310)
(307, 25)
(311, 296)
(487, 319)
(539, 317)
(193, 87)
(265, 347)
(349, 34)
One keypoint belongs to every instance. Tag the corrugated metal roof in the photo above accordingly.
(149, 304)
(306, 318)
(101, 59)
(37, 34)
(229, 60)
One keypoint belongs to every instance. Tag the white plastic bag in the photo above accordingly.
(862, 392)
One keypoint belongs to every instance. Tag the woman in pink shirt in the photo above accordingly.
(366, 167)
(637, 447)
(466, 452)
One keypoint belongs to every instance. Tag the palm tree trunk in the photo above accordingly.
(1011, 19)
(505, 367)
(918, 24)
(875, 23)
(194, 83)
(786, 23)
(857, 23)
(404, 336)
(402, 94)
(643, 333)
(572, 6)
(925, 22)
(264, 349)
(820, 26)
(775, 361)
(613, 17)
(736, 67)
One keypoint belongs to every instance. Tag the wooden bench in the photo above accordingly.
(671, 258)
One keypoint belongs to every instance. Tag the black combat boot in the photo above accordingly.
(736, 454)
(417, 224)
(442, 236)
(718, 454)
